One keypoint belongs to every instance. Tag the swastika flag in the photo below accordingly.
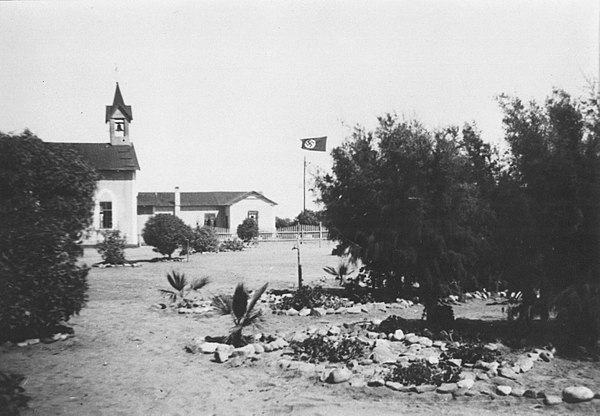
(317, 144)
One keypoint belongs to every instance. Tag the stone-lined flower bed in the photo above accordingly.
(196, 306)
(103, 265)
(398, 361)
(321, 304)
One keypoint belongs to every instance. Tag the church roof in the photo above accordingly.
(104, 156)
(206, 199)
(118, 104)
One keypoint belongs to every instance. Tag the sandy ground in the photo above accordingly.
(128, 358)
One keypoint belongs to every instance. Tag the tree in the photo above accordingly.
(248, 230)
(204, 239)
(112, 247)
(405, 202)
(46, 202)
(283, 222)
(550, 228)
(166, 232)
(308, 217)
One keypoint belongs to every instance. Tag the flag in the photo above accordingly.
(316, 144)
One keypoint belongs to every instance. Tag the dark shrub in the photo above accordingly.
(12, 396)
(204, 239)
(232, 245)
(112, 248)
(311, 297)
(166, 232)
(46, 201)
(470, 353)
(578, 318)
(422, 372)
(317, 349)
(248, 230)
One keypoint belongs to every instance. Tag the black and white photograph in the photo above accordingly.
(280, 207)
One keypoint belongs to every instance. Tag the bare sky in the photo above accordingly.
(222, 91)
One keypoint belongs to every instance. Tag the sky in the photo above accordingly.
(223, 91)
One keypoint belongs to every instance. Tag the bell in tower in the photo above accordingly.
(118, 115)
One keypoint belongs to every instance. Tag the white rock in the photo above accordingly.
(412, 339)
(576, 394)
(493, 369)
(525, 363)
(491, 347)
(357, 382)
(552, 400)
(222, 355)
(383, 355)
(446, 388)
(245, 350)
(433, 360)
(377, 381)
(507, 373)
(339, 375)
(334, 330)
(457, 362)
(466, 383)
(354, 310)
(304, 312)
(517, 392)
(426, 342)
(503, 390)
(209, 347)
(291, 312)
(398, 335)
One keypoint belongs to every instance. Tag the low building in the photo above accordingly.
(217, 209)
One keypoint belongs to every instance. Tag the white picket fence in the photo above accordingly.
(308, 232)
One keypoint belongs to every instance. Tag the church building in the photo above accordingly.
(117, 164)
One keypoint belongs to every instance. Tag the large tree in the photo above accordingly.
(46, 202)
(407, 203)
(550, 203)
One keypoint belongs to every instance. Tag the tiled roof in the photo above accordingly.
(118, 104)
(167, 199)
(104, 156)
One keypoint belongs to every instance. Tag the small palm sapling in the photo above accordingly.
(182, 288)
(341, 272)
(242, 309)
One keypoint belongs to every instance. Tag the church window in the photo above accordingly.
(106, 220)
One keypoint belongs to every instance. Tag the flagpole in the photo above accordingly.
(304, 202)
(304, 186)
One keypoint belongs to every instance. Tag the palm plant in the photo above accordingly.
(182, 288)
(340, 272)
(241, 308)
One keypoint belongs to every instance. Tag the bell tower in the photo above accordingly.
(118, 115)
